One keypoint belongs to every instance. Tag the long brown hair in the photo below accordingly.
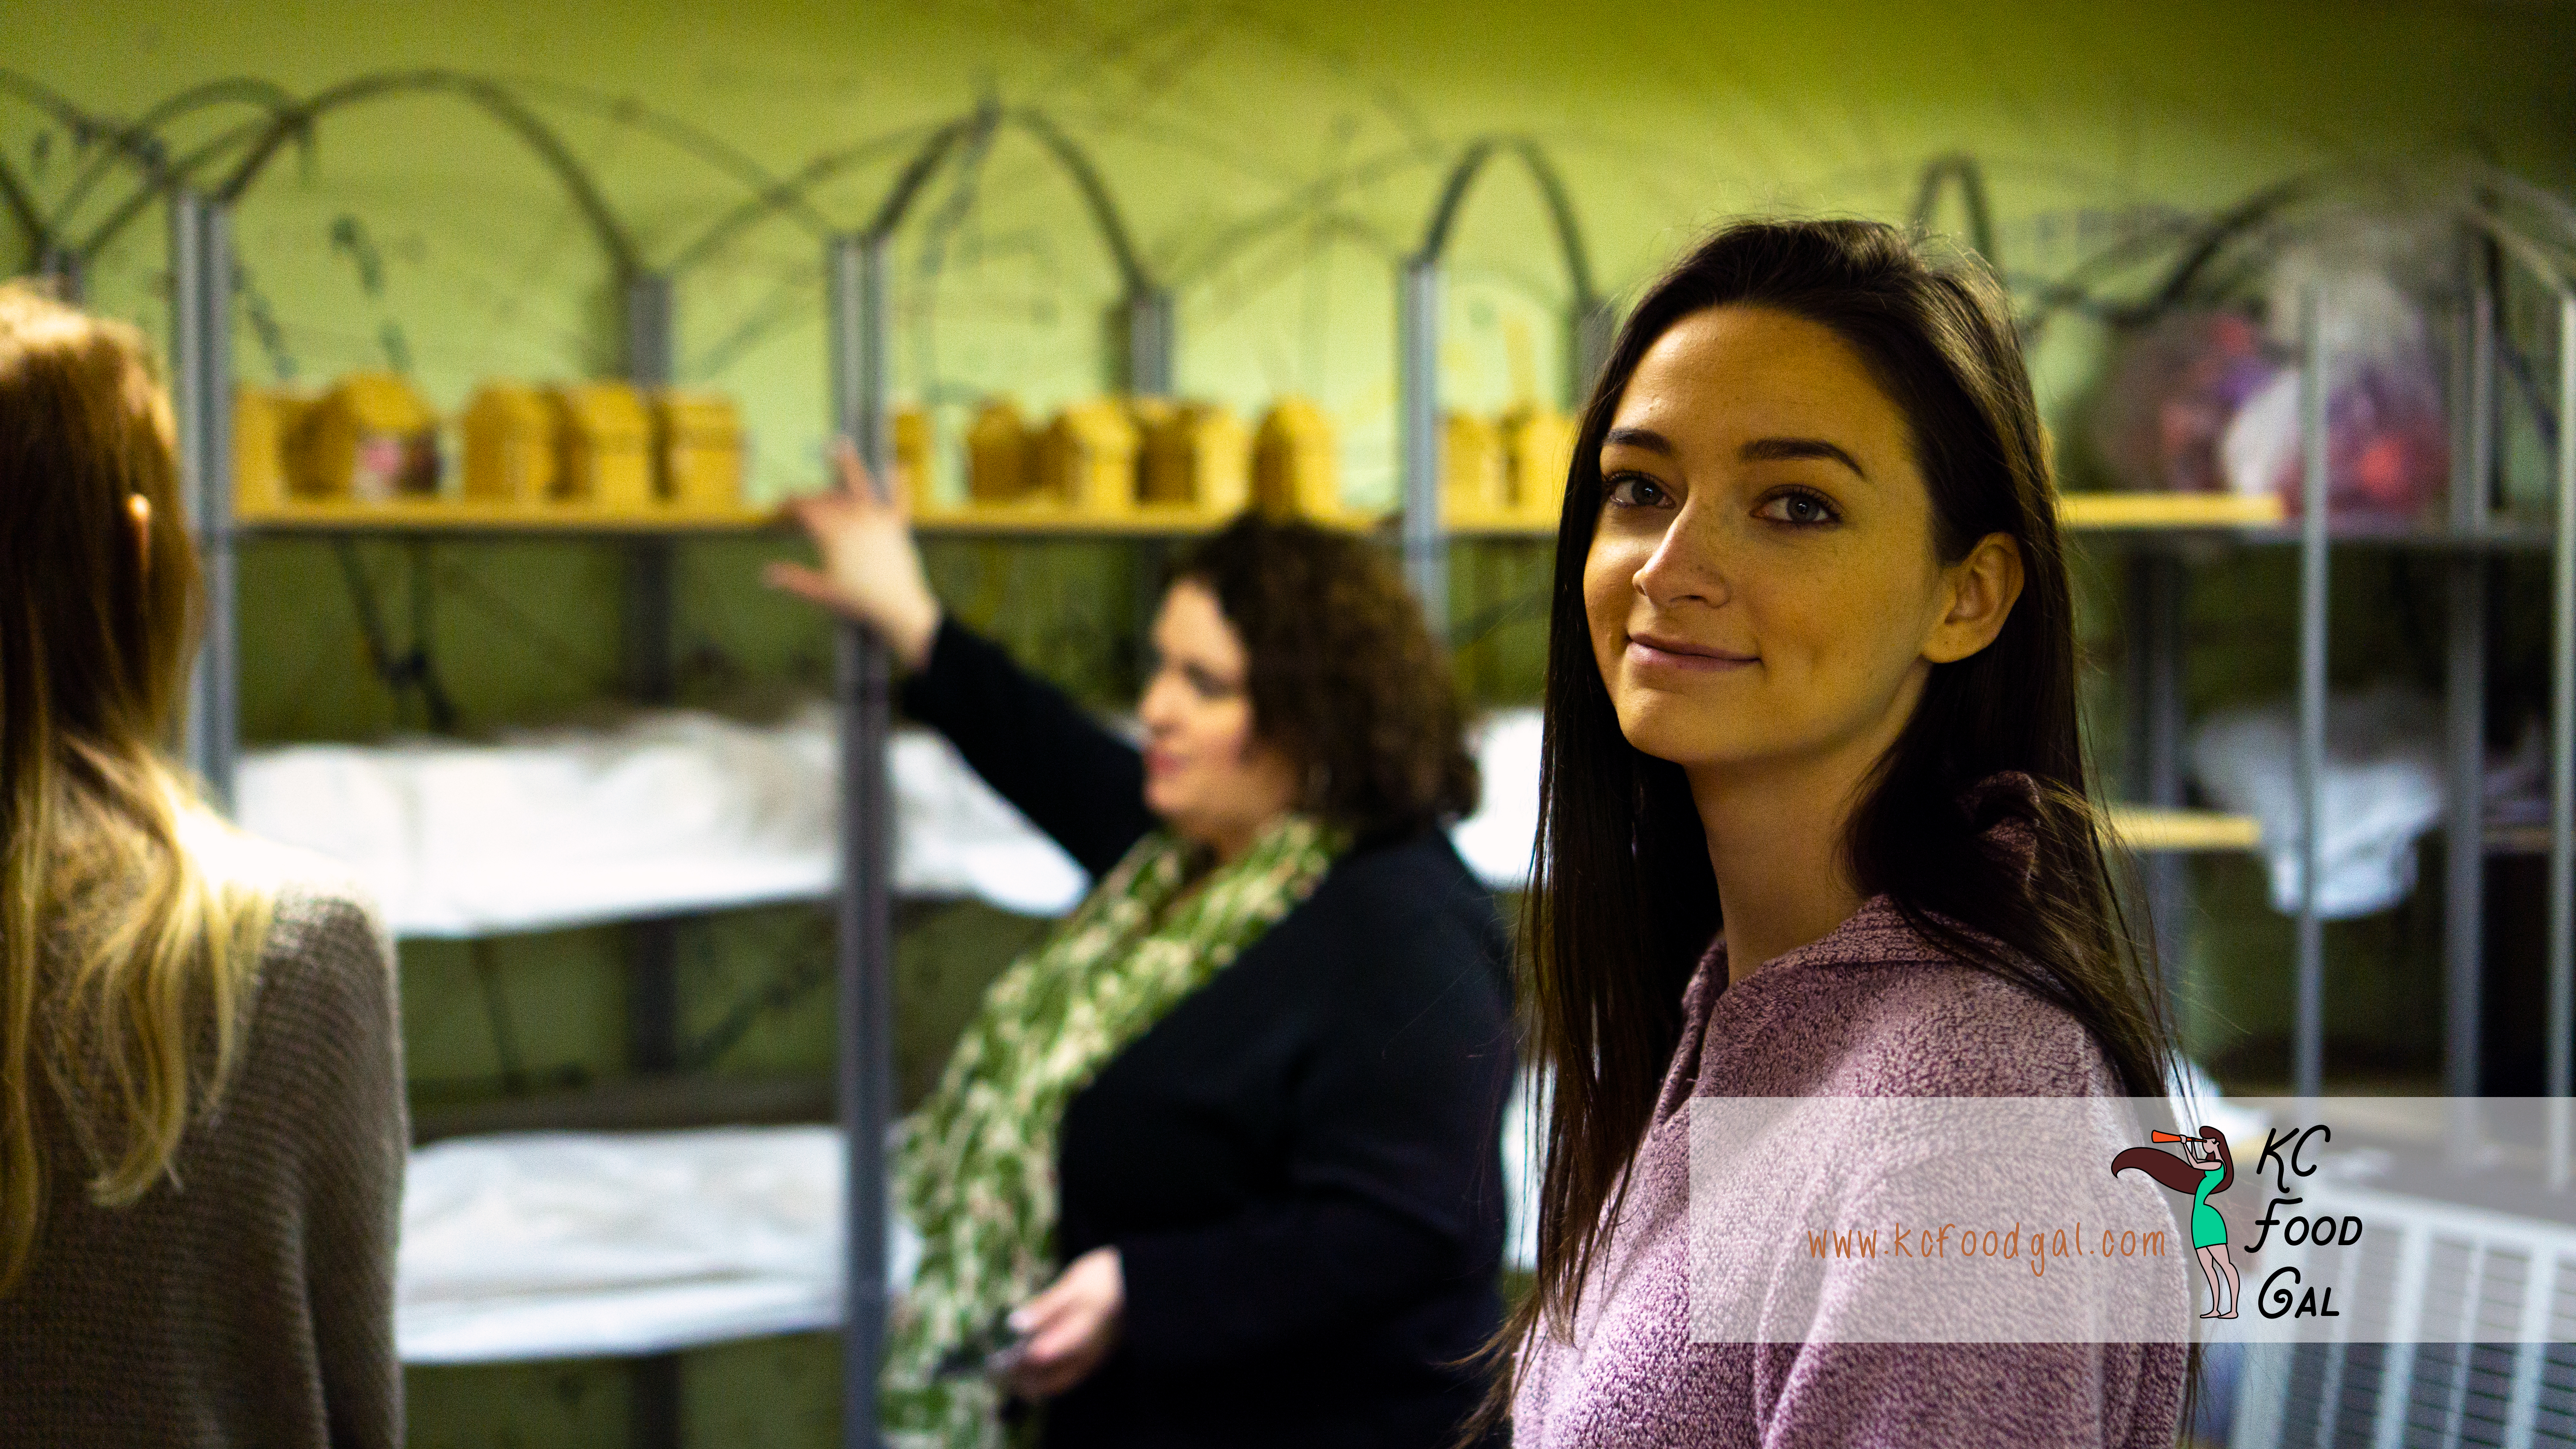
(124, 945)
(1623, 903)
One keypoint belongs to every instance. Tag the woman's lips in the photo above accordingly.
(1160, 762)
(1654, 652)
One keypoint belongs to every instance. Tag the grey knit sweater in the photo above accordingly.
(251, 1303)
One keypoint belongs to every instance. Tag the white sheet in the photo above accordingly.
(540, 1245)
(681, 811)
(567, 1245)
(2383, 788)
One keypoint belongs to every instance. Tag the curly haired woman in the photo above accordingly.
(1221, 1152)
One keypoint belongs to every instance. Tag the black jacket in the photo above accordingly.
(1299, 1165)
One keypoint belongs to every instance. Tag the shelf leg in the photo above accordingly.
(653, 1402)
(1426, 558)
(2155, 744)
(2307, 1069)
(2562, 760)
(654, 1383)
(2464, 693)
(857, 268)
(201, 272)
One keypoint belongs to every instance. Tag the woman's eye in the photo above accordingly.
(1798, 507)
(1632, 490)
(1207, 685)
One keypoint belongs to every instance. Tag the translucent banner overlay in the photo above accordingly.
(2114, 1220)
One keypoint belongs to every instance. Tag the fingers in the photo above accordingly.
(811, 585)
(1063, 1351)
(1042, 1310)
(853, 473)
(1063, 1333)
(858, 485)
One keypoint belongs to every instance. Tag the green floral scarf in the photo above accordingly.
(977, 1166)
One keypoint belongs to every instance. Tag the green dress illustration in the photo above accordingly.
(2208, 1229)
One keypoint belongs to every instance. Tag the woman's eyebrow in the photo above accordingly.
(1646, 438)
(1782, 450)
(1760, 450)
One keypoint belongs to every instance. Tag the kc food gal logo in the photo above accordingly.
(2205, 1169)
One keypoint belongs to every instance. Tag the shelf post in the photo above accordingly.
(1150, 344)
(201, 271)
(650, 324)
(61, 266)
(2308, 1055)
(2464, 695)
(1426, 560)
(2562, 755)
(2155, 740)
(857, 267)
(653, 967)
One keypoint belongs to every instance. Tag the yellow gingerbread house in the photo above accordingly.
(698, 449)
(1294, 471)
(510, 444)
(604, 443)
(1197, 457)
(1000, 456)
(1087, 459)
(371, 437)
(1537, 448)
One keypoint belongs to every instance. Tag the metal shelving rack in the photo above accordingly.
(858, 267)
(201, 268)
(2470, 540)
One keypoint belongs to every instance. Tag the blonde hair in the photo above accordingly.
(125, 957)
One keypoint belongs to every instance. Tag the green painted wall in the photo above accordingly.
(1273, 161)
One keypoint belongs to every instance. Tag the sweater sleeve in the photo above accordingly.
(356, 1139)
(1393, 1184)
(2116, 1395)
(1074, 779)
(1834, 1389)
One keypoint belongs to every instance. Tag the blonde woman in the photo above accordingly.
(201, 1114)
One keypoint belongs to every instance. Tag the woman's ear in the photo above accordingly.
(138, 510)
(1982, 589)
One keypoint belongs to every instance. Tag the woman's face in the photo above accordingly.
(1206, 772)
(1763, 586)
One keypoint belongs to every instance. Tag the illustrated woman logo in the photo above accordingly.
(2204, 1170)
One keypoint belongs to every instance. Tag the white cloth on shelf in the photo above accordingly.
(1496, 841)
(955, 837)
(672, 811)
(2382, 789)
(682, 811)
(567, 1244)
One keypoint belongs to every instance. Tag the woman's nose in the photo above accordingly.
(1688, 562)
(1154, 707)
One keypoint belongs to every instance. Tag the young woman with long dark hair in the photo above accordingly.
(1815, 823)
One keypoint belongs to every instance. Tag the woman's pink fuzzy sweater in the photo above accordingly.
(1871, 1010)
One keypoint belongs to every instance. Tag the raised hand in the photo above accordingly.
(871, 567)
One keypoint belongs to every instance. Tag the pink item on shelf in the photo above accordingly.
(2173, 391)
(2387, 443)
